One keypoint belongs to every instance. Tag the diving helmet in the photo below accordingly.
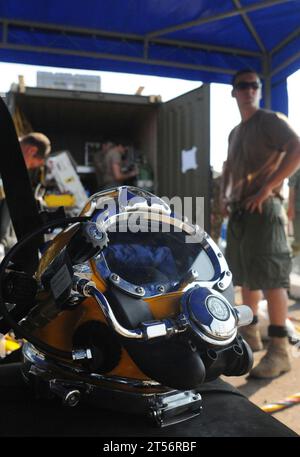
(133, 309)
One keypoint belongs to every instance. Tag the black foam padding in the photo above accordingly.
(226, 413)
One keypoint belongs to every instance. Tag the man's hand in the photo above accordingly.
(255, 202)
(291, 213)
(133, 172)
(224, 207)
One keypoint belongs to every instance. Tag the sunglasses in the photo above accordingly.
(243, 85)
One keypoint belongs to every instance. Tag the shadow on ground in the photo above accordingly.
(253, 385)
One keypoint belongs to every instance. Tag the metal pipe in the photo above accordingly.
(267, 81)
(121, 58)
(250, 27)
(217, 17)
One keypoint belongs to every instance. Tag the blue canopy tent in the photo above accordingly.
(192, 39)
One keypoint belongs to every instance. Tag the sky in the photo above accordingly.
(221, 122)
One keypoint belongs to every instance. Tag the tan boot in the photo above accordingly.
(275, 362)
(251, 334)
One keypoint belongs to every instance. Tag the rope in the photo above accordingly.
(280, 405)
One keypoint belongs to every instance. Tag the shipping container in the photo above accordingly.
(173, 136)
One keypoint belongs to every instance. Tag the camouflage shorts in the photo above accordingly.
(257, 250)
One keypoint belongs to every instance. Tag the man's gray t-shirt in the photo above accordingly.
(111, 157)
(256, 148)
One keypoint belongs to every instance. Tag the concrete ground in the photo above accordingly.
(263, 391)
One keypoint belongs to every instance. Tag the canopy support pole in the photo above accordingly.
(267, 95)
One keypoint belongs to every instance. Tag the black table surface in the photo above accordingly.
(226, 413)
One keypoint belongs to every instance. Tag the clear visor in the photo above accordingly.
(154, 251)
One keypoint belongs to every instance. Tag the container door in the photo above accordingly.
(183, 153)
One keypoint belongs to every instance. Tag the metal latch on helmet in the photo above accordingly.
(175, 407)
(81, 354)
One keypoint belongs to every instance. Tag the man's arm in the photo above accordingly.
(291, 204)
(223, 187)
(119, 176)
(287, 167)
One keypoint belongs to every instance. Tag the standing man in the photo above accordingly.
(263, 150)
(112, 173)
(99, 159)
